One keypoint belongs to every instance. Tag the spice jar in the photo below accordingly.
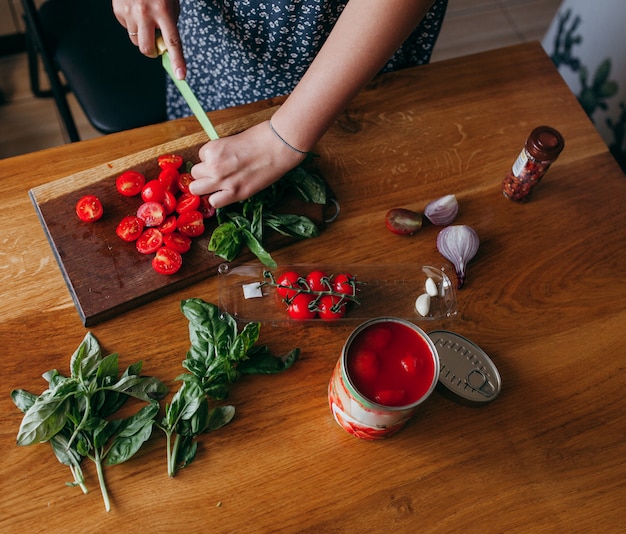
(543, 146)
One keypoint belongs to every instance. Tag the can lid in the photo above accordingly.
(466, 373)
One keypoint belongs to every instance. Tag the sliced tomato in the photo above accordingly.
(169, 202)
(170, 160)
(167, 261)
(191, 223)
(168, 178)
(184, 179)
(130, 183)
(169, 225)
(151, 213)
(187, 202)
(205, 207)
(89, 208)
(149, 241)
(178, 242)
(130, 228)
(153, 191)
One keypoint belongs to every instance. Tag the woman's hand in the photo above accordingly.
(235, 168)
(142, 18)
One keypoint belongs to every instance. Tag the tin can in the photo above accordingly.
(356, 404)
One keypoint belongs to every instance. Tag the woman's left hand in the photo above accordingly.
(235, 168)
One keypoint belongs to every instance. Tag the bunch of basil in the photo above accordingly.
(246, 221)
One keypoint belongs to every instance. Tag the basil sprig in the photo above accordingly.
(75, 414)
(218, 356)
(245, 223)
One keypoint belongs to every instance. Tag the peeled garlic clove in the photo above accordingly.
(431, 287)
(442, 211)
(458, 244)
(422, 304)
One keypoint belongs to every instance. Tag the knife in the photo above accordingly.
(186, 91)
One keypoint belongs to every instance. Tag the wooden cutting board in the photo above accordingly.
(107, 276)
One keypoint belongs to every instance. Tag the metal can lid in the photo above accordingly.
(466, 373)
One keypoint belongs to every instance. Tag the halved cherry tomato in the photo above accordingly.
(191, 223)
(167, 261)
(170, 160)
(299, 307)
(205, 207)
(184, 179)
(169, 202)
(402, 221)
(168, 178)
(187, 202)
(287, 280)
(89, 208)
(318, 281)
(178, 242)
(130, 228)
(151, 213)
(169, 225)
(149, 241)
(130, 183)
(330, 309)
(153, 191)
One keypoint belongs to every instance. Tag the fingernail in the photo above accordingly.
(180, 73)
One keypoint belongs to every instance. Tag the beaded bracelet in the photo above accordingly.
(285, 142)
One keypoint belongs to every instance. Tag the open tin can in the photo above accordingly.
(387, 368)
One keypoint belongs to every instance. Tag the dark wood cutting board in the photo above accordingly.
(107, 276)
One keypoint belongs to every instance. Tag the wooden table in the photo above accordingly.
(544, 298)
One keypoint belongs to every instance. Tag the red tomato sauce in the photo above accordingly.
(390, 364)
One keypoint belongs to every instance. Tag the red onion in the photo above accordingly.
(442, 211)
(458, 244)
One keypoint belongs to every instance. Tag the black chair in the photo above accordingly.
(83, 49)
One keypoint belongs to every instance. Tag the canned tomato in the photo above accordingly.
(388, 366)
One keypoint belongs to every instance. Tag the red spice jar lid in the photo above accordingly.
(545, 143)
(466, 373)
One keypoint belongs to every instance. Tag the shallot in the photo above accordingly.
(442, 211)
(458, 244)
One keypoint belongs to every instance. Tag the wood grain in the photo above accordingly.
(544, 298)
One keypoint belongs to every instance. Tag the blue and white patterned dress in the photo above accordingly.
(241, 51)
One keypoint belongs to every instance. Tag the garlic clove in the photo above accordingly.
(442, 211)
(422, 304)
(431, 287)
(458, 244)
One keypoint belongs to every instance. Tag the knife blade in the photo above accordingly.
(186, 91)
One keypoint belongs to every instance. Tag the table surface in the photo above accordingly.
(544, 298)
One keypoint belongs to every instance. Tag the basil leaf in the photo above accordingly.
(86, 358)
(257, 249)
(261, 361)
(293, 225)
(309, 186)
(225, 241)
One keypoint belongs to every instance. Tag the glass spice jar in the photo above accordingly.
(543, 146)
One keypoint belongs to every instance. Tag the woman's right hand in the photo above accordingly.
(142, 18)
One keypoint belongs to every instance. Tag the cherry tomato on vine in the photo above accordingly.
(89, 208)
(151, 213)
(298, 308)
(130, 183)
(178, 242)
(344, 283)
(290, 280)
(149, 241)
(330, 309)
(191, 223)
(130, 228)
(170, 161)
(318, 281)
(153, 191)
(167, 261)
